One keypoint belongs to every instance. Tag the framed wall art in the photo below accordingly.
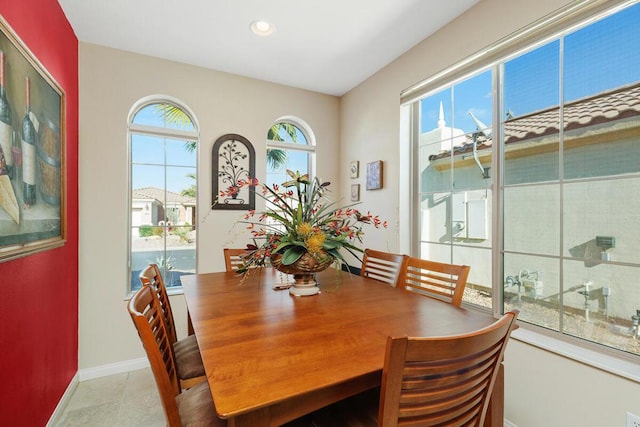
(354, 169)
(32, 152)
(355, 192)
(374, 175)
(233, 160)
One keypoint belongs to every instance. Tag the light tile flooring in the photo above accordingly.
(123, 400)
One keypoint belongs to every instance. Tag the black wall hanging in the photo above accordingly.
(233, 160)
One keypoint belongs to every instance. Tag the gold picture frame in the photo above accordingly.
(32, 145)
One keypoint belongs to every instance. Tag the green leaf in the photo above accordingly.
(292, 255)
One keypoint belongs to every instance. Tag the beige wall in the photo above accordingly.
(111, 82)
(542, 389)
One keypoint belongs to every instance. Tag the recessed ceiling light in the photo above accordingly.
(262, 28)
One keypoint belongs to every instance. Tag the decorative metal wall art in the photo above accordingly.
(233, 160)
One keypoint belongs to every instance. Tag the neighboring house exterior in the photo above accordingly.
(147, 207)
(600, 139)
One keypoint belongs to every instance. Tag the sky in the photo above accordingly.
(597, 58)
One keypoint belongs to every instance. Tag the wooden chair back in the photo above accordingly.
(382, 266)
(148, 318)
(435, 279)
(442, 380)
(233, 258)
(151, 276)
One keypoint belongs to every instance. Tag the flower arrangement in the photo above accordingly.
(300, 220)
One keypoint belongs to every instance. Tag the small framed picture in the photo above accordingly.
(355, 192)
(374, 175)
(354, 169)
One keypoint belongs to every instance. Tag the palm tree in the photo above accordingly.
(191, 191)
(276, 158)
(173, 114)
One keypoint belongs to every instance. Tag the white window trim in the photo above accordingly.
(164, 132)
(573, 15)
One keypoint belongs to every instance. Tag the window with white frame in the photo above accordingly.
(162, 200)
(529, 164)
(290, 146)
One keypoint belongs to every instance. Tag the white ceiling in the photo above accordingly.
(328, 46)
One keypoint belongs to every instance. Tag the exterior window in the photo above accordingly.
(290, 145)
(163, 159)
(567, 144)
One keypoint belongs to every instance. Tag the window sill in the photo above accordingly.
(616, 366)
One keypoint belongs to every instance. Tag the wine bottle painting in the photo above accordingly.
(32, 202)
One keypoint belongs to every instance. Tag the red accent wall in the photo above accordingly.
(39, 293)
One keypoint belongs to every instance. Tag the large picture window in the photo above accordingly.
(163, 161)
(531, 165)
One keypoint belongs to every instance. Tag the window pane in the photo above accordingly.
(472, 164)
(286, 132)
(532, 219)
(532, 81)
(164, 116)
(295, 161)
(147, 246)
(600, 302)
(531, 148)
(435, 252)
(435, 169)
(147, 176)
(181, 179)
(147, 149)
(181, 258)
(180, 153)
(478, 290)
(603, 208)
(603, 56)
(435, 217)
(532, 285)
(473, 104)
(602, 135)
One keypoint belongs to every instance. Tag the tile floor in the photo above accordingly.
(123, 400)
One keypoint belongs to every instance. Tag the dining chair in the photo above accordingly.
(382, 266)
(192, 407)
(189, 362)
(434, 279)
(233, 258)
(434, 381)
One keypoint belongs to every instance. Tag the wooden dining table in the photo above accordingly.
(271, 357)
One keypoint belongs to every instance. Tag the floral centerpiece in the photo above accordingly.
(301, 231)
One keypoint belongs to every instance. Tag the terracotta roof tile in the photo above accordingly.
(611, 106)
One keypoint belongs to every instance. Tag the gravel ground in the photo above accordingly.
(615, 333)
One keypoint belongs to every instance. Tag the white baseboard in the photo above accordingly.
(62, 404)
(508, 423)
(113, 368)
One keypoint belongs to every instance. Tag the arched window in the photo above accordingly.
(163, 142)
(290, 145)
